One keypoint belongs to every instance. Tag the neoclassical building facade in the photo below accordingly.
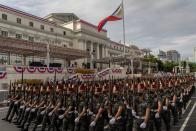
(67, 40)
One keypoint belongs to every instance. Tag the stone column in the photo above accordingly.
(91, 53)
(8, 58)
(103, 51)
(48, 55)
(84, 48)
(98, 57)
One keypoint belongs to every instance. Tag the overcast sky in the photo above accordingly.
(154, 24)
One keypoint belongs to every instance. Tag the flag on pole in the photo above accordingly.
(117, 15)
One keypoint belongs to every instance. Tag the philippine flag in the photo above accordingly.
(117, 15)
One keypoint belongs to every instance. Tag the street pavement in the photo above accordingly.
(187, 123)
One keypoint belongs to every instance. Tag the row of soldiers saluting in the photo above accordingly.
(109, 105)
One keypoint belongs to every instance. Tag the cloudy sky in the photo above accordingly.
(154, 24)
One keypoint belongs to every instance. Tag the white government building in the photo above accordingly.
(60, 39)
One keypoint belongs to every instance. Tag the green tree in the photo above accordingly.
(169, 65)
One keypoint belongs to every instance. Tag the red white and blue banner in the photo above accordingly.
(59, 69)
(19, 69)
(104, 72)
(31, 69)
(50, 70)
(117, 15)
(88, 76)
(3, 74)
(117, 70)
(41, 69)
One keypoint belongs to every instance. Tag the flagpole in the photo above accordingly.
(124, 38)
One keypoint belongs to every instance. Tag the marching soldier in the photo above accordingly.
(117, 121)
(119, 105)
(156, 107)
(13, 103)
(141, 112)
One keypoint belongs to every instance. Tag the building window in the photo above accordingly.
(4, 33)
(51, 30)
(64, 32)
(4, 16)
(31, 38)
(42, 27)
(18, 36)
(31, 24)
(18, 20)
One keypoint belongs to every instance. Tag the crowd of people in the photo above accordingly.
(140, 104)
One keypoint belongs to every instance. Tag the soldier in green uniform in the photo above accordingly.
(165, 113)
(46, 112)
(32, 103)
(141, 112)
(117, 122)
(99, 111)
(14, 102)
(156, 107)
(41, 106)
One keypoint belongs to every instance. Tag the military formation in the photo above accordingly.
(140, 104)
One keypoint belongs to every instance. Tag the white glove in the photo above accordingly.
(173, 104)
(112, 121)
(61, 116)
(133, 113)
(50, 114)
(143, 125)
(181, 100)
(43, 112)
(22, 107)
(164, 108)
(128, 107)
(157, 115)
(15, 103)
(27, 109)
(33, 110)
(92, 124)
(77, 120)
(90, 113)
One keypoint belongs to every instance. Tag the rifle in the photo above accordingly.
(110, 95)
(65, 94)
(92, 94)
(77, 91)
(87, 94)
(10, 90)
(24, 91)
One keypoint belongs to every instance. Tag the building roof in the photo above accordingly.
(62, 16)
(18, 12)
